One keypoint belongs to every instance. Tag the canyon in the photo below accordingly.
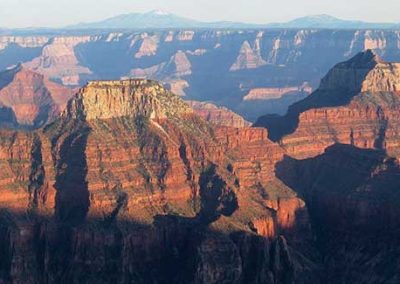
(357, 103)
(125, 182)
(257, 61)
(128, 185)
(30, 100)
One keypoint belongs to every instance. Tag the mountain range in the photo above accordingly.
(159, 19)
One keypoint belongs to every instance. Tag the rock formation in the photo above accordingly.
(59, 61)
(261, 59)
(130, 185)
(178, 66)
(30, 98)
(148, 46)
(276, 93)
(352, 195)
(248, 58)
(218, 115)
(357, 103)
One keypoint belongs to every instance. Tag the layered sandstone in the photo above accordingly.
(177, 66)
(129, 177)
(148, 47)
(59, 61)
(357, 103)
(248, 58)
(22, 41)
(263, 59)
(32, 98)
(218, 115)
(276, 93)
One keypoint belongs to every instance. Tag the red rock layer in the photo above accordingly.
(129, 177)
(33, 99)
(218, 115)
(357, 103)
(276, 93)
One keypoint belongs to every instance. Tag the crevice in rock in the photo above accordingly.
(72, 198)
(37, 175)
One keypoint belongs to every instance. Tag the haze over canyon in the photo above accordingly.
(200, 155)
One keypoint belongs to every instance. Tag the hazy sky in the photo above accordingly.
(55, 13)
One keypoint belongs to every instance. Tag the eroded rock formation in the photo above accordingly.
(352, 196)
(218, 115)
(265, 59)
(357, 103)
(130, 185)
(30, 100)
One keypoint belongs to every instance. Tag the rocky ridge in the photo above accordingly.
(29, 99)
(129, 177)
(263, 59)
(218, 115)
(357, 103)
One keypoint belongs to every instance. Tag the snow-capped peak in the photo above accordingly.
(159, 12)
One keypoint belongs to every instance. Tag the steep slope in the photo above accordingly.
(30, 100)
(58, 60)
(177, 66)
(129, 185)
(352, 195)
(218, 115)
(357, 103)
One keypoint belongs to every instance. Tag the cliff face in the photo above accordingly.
(357, 103)
(129, 185)
(352, 196)
(247, 60)
(31, 99)
(218, 115)
(59, 61)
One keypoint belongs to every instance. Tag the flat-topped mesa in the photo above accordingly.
(125, 98)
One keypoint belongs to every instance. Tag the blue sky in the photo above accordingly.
(56, 13)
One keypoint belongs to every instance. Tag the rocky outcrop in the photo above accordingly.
(262, 59)
(177, 86)
(178, 66)
(148, 47)
(218, 115)
(357, 103)
(22, 41)
(59, 61)
(31, 99)
(248, 58)
(129, 177)
(276, 93)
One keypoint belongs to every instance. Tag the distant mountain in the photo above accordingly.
(159, 19)
(152, 19)
(329, 22)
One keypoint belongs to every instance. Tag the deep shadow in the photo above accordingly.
(216, 198)
(352, 196)
(72, 198)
